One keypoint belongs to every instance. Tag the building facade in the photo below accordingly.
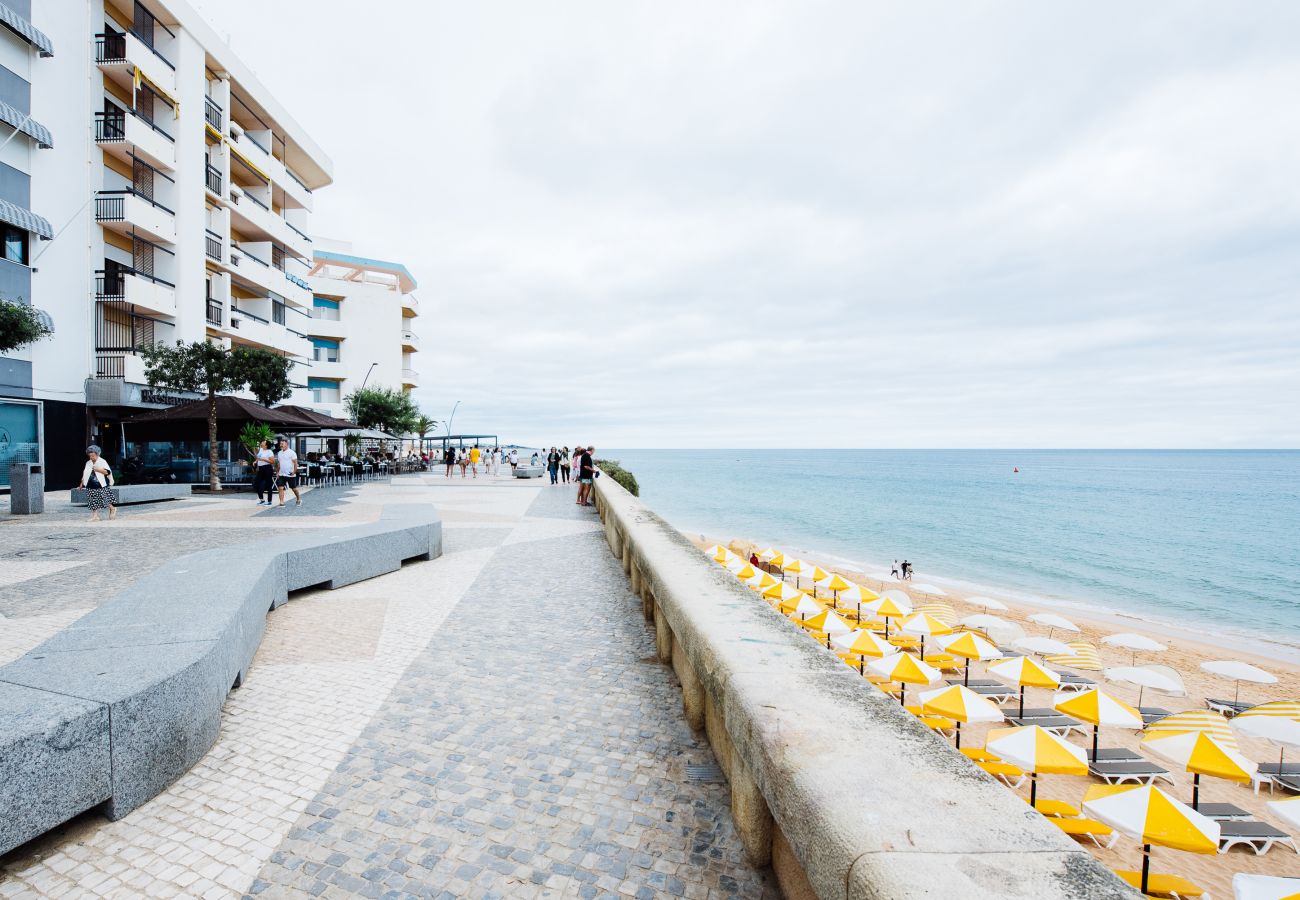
(361, 327)
(181, 193)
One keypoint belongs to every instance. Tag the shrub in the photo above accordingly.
(625, 478)
(20, 325)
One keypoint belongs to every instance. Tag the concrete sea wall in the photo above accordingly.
(835, 786)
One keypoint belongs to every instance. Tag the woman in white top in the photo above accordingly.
(264, 479)
(97, 479)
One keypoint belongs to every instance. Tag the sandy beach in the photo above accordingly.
(1187, 649)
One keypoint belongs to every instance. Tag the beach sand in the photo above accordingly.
(1213, 873)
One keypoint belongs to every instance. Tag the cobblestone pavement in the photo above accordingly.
(489, 724)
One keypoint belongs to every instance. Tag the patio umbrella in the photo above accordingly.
(761, 582)
(1192, 721)
(1237, 672)
(1264, 887)
(1042, 645)
(1097, 708)
(778, 560)
(781, 591)
(826, 621)
(719, 553)
(940, 610)
(887, 608)
(1200, 754)
(1053, 622)
(1037, 751)
(983, 621)
(802, 606)
(798, 568)
(1082, 655)
(961, 704)
(861, 643)
(905, 669)
(1277, 722)
(924, 625)
(829, 581)
(1023, 672)
(745, 572)
(1151, 817)
(970, 647)
(1134, 643)
(856, 594)
(766, 555)
(987, 603)
(898, 596)
(1145, 678)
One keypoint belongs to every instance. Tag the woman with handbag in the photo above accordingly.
(97, 480)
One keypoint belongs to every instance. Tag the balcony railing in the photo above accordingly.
(110, 366)
(214, 179)
(256, 259)
(110, 206)
(112, 285)
(297, 231)
(277, 257)
(214, 311)
(111, 47)
(119, 329)
(213, 245)
(110, 126)
(258, 202)
(212, 113)
(410, 374)
(289, 276)
(298, 181)
(277, 312)
(246, 314)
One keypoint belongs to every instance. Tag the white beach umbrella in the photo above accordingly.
(1264, 887)
(1237, 671)
(1130, 641)
(987, 603)
(984, 621)
(1043, 646)
(1053, 622)
(897, 595)
(929, 589)
(1277, 722)
(1287, 810)
(735, 564)
(1146, 678)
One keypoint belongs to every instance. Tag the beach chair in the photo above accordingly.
(1102, 835)
(998, 693)
(1258, 836)
(1113, 754)
(979, 754)
(941, 724)
(1160, 884)
(1072, 682)
(1152, 714)
(942, 661)
(1221, 811)
(976, 682)
(1139, 772)
(1057, 809)
(1285, 774)
(1011, 776)
(1059, 723)
(1229, 708)
(1290, 782)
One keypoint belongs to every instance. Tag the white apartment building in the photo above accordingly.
(181, 192)
(361, 327)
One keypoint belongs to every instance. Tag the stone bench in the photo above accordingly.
(139, 493)
(524, 471)
(116, 707)
(844, 793)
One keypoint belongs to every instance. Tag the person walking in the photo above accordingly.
(264, 476)
(514, 461)
(565, 465)
(475, 454)
(894, 571)
(586, 476)
(287, 463)
(907, 571)
(97, 481)
(448, 459)
(553, 465)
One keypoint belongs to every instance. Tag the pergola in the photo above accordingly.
(461, 439)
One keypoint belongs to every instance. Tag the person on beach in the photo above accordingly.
(448, 459)
(907, 571)
(462, 459)
(264, 478)
(894, 571)
(288, 472)
(565, 465)
(514, 461)
(97, 481)
(586, 476)
(553, 465)
(475, 454)
(753, 560)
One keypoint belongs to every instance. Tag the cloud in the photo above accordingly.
(775, 224)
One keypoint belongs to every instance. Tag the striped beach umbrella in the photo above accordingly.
(1277, 722)
(862, 643)
(719, 553)
(961, 704)
(970, 647)
(924, 625)
(905, 669)
(1195, 721)
(1037, 751)
(776, 559)
(888, 608)
(827, 622)
(801, 606)
(761, 581)
(766, 555)
(745, 572)
(855, 595)
(940, 610)
(1264, 887)
(1151, 817)
(1082, 655)
(798, 568)
(1097, 708)
(781, 591)
(830, 582)
(1288, 810)
(1201, 754)
(1023, 672)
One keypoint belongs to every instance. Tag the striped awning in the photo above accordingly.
(26, 124)
(25, 219)
(25, 30)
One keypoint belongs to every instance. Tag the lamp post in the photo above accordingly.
(367, 378)
(450, 417)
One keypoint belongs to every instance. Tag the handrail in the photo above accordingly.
(296, 231)
(132, 191)
(299, 181)
(243, 312)
(251, 256)
(258, 202)
(124, 270)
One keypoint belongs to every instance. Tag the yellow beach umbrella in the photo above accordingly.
(746, 572)
(776, 559)
(855, 595)
(766, 555)
(924, 625)
(961, 704)
(970, 647)
(1150, 816)
(940, 610)
(887, 608)
(905, 669)
(862, 643)
(1037, 751)
(1023, 672)
(1201, 754)
(826, 621)
(1194, 721)
(801, 606)
(1097, 708)
(1082, 655)
(798, 568)
(762, 581)
(719, 553)
(779, 590)
(829, 581)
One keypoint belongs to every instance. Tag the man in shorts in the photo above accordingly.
(475, 454)
(586, 476)
(287, 471)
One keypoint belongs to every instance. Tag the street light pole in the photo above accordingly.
(450, 417)
(367, 378)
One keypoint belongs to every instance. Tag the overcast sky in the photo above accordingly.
(831, 224)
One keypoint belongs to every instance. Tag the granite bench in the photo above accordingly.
(116, 707)
(139, 493)
(525, 471)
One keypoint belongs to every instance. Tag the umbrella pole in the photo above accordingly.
(1141, 688)
(965, 678)
(1146, 866)
(1236, 695)
(958, 735)
(1033, 790)
(1022, 701)
(1196, 789)
(1094, 743)
(902, 694)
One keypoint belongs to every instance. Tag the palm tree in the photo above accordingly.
(423, 425)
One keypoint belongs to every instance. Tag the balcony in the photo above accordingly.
(410, 341)
(410, 306)
(215, 246)
(214, 115)
(250, 328)
(124, 134)
(118, 54)
(137, 289)
(213, 181)
(129, 212)
(325, 328)
(410, 378)
(216, 313)
(251, 268)
(253, 217)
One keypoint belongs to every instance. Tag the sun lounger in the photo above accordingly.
(1221, 811)
(977, 682)
(1071, 682)
(1057, 808)
(1160, 884)
(1259, 836)
(1229, 708)
(1007, 653)
(1286, 768)
(943, 662)
(1001, 694)
(1102, 835)
(1057, 724)
(1031, 712)
(1138, 772)
(1152, 714)
(1290, 782)
(1114, 754)
(979, 754)
(1011, 776)
(941, 724)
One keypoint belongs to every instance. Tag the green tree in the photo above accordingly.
(423, 425)
(265, 373)
(201, 367)
(386, 409)
(252, 436)
(20, 325)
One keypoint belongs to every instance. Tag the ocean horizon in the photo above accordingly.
(1195, 539)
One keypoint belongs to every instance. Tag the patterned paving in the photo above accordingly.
(489, 724)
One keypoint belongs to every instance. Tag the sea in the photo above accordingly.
(1208, 541)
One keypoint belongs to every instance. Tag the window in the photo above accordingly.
(326, 350)
(324, 308)
(323, 390)
(15, 241)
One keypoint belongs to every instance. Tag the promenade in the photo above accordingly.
(491, 723)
